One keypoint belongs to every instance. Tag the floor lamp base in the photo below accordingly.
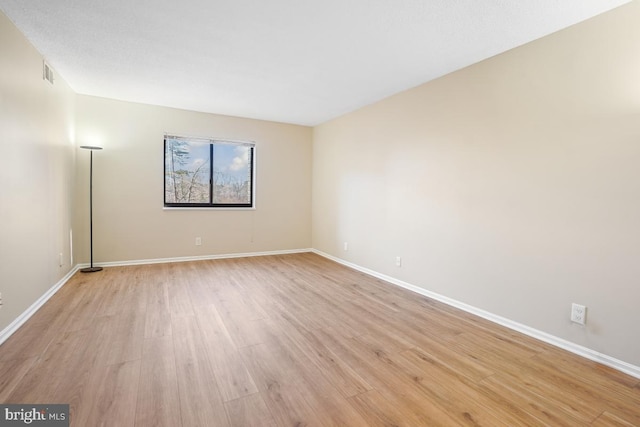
(90, 269)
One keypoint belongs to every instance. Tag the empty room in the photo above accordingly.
(320, 213)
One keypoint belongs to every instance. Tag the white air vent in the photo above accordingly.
(47, 72)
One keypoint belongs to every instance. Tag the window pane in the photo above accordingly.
(187, 171)
(232, 174)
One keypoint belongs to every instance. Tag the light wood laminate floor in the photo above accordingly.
(291, 340)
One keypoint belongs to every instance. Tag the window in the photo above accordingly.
(201, 172)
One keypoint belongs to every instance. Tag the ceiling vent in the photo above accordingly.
(47, 72)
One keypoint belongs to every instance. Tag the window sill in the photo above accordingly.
(164, 208)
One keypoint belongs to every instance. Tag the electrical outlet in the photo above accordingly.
(60, 260)
(346, 246)
(198, 241)
(0, 299)
(398, 261)
(578, 313)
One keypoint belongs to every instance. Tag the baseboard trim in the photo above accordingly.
(585, 352)
(26, 315)
(197, 258)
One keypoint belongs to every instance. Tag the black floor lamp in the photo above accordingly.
(91, 269)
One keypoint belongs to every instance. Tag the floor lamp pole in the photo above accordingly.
(91, 268)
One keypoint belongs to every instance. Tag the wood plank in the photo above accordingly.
(121, 337)
(616, 397)
(60, 361)
(249, 411)
(158, 314)
(11, 374)
(593, 373)
(106, 400)
(203, 283)
(468, 367)
(243, 320)
(85, 312)
(200, 400)
(321, 358)
(78, 370)
(551, 411)
(231, 374)
(133, 295)
(541, 380)
(158, 402)
(32, 339)
(178, 290)
(378, 411)
(398, 389)
(441, 386)
(281, 378)
(277, 385)
(111, 288)
(607, 419)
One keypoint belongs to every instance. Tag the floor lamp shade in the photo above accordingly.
(91, 268)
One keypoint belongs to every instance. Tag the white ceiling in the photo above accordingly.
(294, 61)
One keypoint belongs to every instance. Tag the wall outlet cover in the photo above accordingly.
(578, 314)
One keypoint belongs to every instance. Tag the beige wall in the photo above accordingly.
(512, 185)
(36, 175)
(129, 220)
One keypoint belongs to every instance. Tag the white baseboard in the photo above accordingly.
(196, 258)
(20, 320)
(585, 352)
